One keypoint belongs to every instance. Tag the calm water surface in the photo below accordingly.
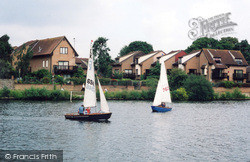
(209, 131)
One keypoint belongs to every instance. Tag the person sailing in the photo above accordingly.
(81, 110)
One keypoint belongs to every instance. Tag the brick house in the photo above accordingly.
(136, 63)
(54, 54)
(125, 64)
(217, 65)
(83, 63)
(172, 57)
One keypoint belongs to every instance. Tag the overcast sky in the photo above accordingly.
(162, 23)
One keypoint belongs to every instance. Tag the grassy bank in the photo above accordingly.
(44, 94)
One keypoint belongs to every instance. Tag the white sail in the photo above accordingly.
(104, 103)
(162, 92)
(90, 92)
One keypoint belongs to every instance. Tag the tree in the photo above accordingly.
(228, 43)
(136, 46)
(177, 78)
(6, 69)
(102, 58)
(203, 43)
(198, 88)
(155, 71)
(244, 47)
(23, 60)
(5, 48)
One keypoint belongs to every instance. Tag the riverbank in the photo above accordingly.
(44, 94)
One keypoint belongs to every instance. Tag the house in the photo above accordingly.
(217, 65)
(145, 62)
(172, 57)
(54, 54)
(83, 63)
(136, 63)
(125, 64)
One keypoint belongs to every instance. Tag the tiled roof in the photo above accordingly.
(44, 46)
(82, 61)
(227, 57)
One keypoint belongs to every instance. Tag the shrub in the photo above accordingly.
(104, 81)
(78, 81)
(16, 94)
(59, 79)
(5, 92)
(237, 94)
(179, 94)
(228, 84)
(46, 80)
(177, 78)
(198, 88)
(39, 74)
(134, 95)
(31, 93)
(216, 96)
(56, 95)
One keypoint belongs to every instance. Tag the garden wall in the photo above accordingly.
(244, 90)
(7, 82)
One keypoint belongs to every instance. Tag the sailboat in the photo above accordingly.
(89, 101)
(162, 95)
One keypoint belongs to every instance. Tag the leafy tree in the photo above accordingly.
(198, 88)
(5, 49)
(136, 46)
(177, 78)
(203, 43)
(244, 47)
(6, 69)
(23, 60)
(228, 43)
(155, 71)
(102, 57)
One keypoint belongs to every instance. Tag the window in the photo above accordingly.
(47, 63)
(63, 64)
(43, 63)
(136, 61)
(238, 73)
(203, 71)
(192, 71)
(128, 71)
(238, 61)
(136, 71)
(217, 60)
(63, 50)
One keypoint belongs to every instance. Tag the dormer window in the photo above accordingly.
(117, 60)
(238, 61)
(136, 61)
(39, 49)
(217, 60)
(180, 60)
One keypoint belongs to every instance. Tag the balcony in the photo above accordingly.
(129, 75)
(239, 76)
(63, 69)
(219, 75)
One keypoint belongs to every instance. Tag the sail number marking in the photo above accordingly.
(91, 82)
(165, 89)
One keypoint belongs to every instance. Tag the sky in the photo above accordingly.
(161, 23)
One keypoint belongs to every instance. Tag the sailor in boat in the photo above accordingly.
(88, 110)
(163, 104)
(81, 110)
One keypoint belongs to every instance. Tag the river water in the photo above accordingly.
(192, 131)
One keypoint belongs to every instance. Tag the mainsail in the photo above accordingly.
(162, 92)
(104, 103)
(90, 93)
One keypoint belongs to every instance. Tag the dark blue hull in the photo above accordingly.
(160, 109)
